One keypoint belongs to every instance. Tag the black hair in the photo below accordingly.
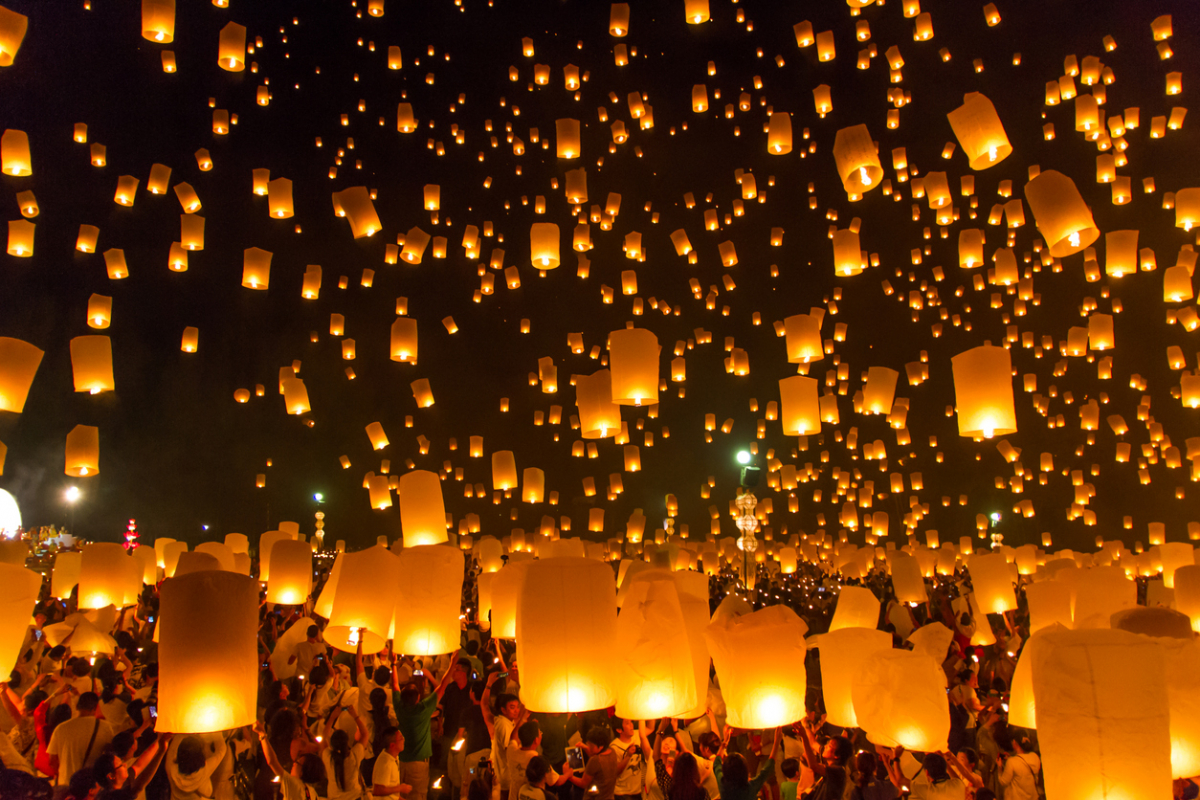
(935, 767)
(313, 631)
(189, 757)
(312, 769)
(842, 750)
(709, 741)
(57, 652)
(57, 716)
(503, 699)
(537, 770)
(790, 768)
(23, 786)
(971, 755)
(737, 774)
(600, 736)
(379, 717)
(319, 675)
(82, 783)
(472, 647)
(383, 676)
(34, 699)
(81, 667)
(339, 746)
(88, 701)
(528, 733)
(866, 763)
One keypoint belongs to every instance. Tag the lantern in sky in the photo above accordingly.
(422, 393)
(803, 333)
(1060, 212)
(91, 363)
(12, 33)
(655, 676)
(19, 363)
(83, 452)
(101, 574)
(365, 600)
(66, 573)
(231, 51)
(857, 607)
(695, 11)
(295, 396)
(504, 470)
(291, 572)
(256, 268)
(404, 340)
(566, 667)
(779, 134)
(857, 161)
(983, 392)
(14, 145)
(543, 245)
(207, 652)
(158, 20)
(979, 131)
(900, 698)
(279, 198)
(429, 600)
(618, 19)
(799, 406)
(993, 583)
(847, 255)
(599, 416)
(506, 589)
(359, 210)
(20, 238)
(422, 510)
(567, 138)
(759, 658)
(879, 391)
(19, 589)
(633, 363)
(843, 653)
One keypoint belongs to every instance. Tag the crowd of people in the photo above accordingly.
(388, 726)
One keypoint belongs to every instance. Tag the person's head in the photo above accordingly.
(383, 676)
(108, 770)
(23, 786)
(410, 695)
(339, 747)
(985, 794)
(865, 763)
(598, 739)
(320, 675)
(81, 668)
(34, 699)
(83, 784)
(790, 768)
(709, 743)
(313, 633)
(968, 757)
(472, 648)
(736, 771)
(461, 672)
(278, 691)
(309, 769)
(393, 740)
(189, 757)
(150, 671)
(968, 678)
(57, 652)
(837, 751)
(58, 715)
(935, 767)
(529, 734)
(626, 728)
(87, 704)
(670, 749)
(1021, 743)
(537, 770)
(508, 705)
(686, 771)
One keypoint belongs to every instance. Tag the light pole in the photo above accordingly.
(320, 524)
(72, 495)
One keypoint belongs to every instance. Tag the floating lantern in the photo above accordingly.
(759, 658)
(12, 33)
(856, 607)
(429, 600)
(359, 211)
(404, 340)
(779, 134)
(979, 131)
(14, 145)
(295, 396)
(880, 390)
(422, 510)
(19, 587)
(256, 268)
(857, 161)
(803, 333)
(191, 340)
(599, 416)
(422, 393)
(900, 698)
(91, 364)
(86, 242)
(633, 362)
(847, 255)
(279, 198)
(992, 581)
(101, 575)
(231, 51)
(695, 11)
(504, 470)
(83, 452)
(533, 485)
(378, 438)
(1061, 215)
(291, 572)
(800, 408)
(66, 573)
(415, 242)
(843, 652)
(158, 20)
(567, 138)
(655, 675)
(618, 19)
(543, 245)
(983, 392)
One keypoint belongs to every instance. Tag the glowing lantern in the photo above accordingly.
(101, 575)
(803, 333)
(599, 416)
(365, 602)
(843, 652)
(359, 210)
(1061, 215)
(86, 242)
(1187, 592)
(759, 658)
(66, 573)
(504, 470)
(633, 362)
(1187, 208)
(422, 393)
(19, 589)
(83, 452)
(880, 390)
(231, 52)
(429, 600)
(279, 198)
(415, 242)
(1175, 555)
(695, 12)
(14, 145)
(1049, 604)
(655, 676)
(857, 161)
(543, 245)
(291, 572)
(907, 581)
(405, 121)
(847, 255)
(378, 438)
(566, 668)
(256, 268)
(99, 311)
(191, 231)
(979, 131)
(91, 364)
(422, 510)
(295, 396)
(158, 20)
(567, 138)
(799, 407)
(404, 340)
(20, 238)
(1120, 253)
(506, 590)
(191, 340)
(12, 33)
(856, 607)
(900, 698)
(618, 19)
(992, 580)
(983, 392)
(207, 653)
(533, 485)
(699, 98)
(779, 134)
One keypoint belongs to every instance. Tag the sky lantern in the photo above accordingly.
(599, 416)
(506, 590)
(291, 572)
(543, 245)
(295, 396)
(880, 390)
(86, 241)
(279, 198)
(857, 161)
(847, 254)
(1049, 604)
(1120, 253)
(843, 652)
(101, 574)
(12, 33)
(618, 19)
(231, 50)
(567, 138)
(1187, 208)
(992, 581)
(422, 393)
(83, 452)
(504, 470)
(1061, 215)
(158, 21)
(655, 675)
(379, 439)
(857, 607)
(415, 242)
(633, 362)
(20, 238)
(360, 211)
(91, 363)
(404, 340)
(66, 574)
(983, 392)
(565, 667)
(422, 510)
(256, 268)
(207, 652)
(803, 333)
(695, 11)
(779, 134)
(429, 599)
(18, 595)
(759, 658)
(405, 121)
(900, 698)
(191, 231)
(190, 341)
(533, 485)
(14, 148)
(979, 131)
(799, 406)
(1187, 592)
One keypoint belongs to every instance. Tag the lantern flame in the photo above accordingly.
(864, 176)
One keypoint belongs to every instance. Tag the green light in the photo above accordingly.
(743, 457)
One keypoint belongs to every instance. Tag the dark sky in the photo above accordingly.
(177, 452)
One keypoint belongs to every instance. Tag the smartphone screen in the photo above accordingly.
(154, 711)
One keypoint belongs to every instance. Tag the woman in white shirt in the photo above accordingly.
(934, 781)
(1019, 776)
(342, 756)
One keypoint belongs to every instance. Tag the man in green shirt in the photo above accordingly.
(414, 714)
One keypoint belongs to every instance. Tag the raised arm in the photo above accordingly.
(815, 762)
(148, 763)
(268, 751)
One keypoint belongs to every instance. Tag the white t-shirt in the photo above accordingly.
(630, 780)
(708, 777)
(386, 773)
(306, 655)
(530, 792)
(951, 789)
(353, 788)
(295, 789)
(502, 730)
(1019, 777)
(70, 743)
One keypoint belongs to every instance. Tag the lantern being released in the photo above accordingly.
(759, 658)
(18, 595)
(900, 698)
(19, 362)
(843, 653)
(83, 452)
(543, 245)
(207, 652)
(428, 602)
(983, 392)
(422, 510)
(567, 667)
(857, 161)
(979, 131)
(365, 600)
(291, 572)
(633, 361)
(101, 575)
(1061, 214)
(654, 670)
(799, 407)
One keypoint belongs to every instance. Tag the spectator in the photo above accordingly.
(77, 742)
(603, 764)
(385, 777)
(733, 775)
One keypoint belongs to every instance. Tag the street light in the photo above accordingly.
(72, 495)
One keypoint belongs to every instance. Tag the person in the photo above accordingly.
(791, 773)
(367, 682)
(320, 695)
(343, 757)
(476, 743)
(630, 781)
(829, 768)
(679, 778)
(603, 765)
(385, 777)
(455, 703)
(299, 782)
(308, 651)
(966, 765)
(414, 715)
(1019, 774)
(46, 719)
(502, 727)
(77, 742)
(113, 769)
(83, 785)
(866, 785)
(707, 744)
(191, 762)
(733, 775)
(539, 776)
(934, 781)
(964, 710)
(24, 733)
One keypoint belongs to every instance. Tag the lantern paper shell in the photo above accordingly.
(799, 406)
(506, 589)
(291, 572)
(359, 210)
(429, 600)
(847, 255)
(1061, 214)
(979, 131)
(543, 245)
(983, 392)
(404, 340)
(19, 589)
(779, 134)
(633, 363)
(900, 698)
(1103, 714)
(365, 601)
(67, 565)
(1187, 593)
(504, 470)
(907, 581)
(101, 575)
(91, 364)
(992, 579)
(422, 510)
(759, 658)
(83, 452)
(843, 653)
(803, 333)
(256, 268)
(12, 32)
(599, 416)
(158, 20)
(19, 363)
(567, 667)
(857, 161)
(285, 648)
(857, 607)
(207, 653)
(655, 677)
(1049, 604)
(567, 138)
(231, 50)
(14, 144)
(879, 392)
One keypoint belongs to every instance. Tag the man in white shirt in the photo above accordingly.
(385, 778)
(631, 779)
(308, 651)
(77, 742)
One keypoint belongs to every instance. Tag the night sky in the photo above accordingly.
(177, 452)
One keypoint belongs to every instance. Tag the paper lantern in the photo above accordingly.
(799, 407)
(295, 396)
(506, 590)
(618, 19)
(1103, 714)
(983, 392)
(404, 340)
(1187, 208)
(567, 667)
(1174, 556)
(900, 698)
(599, 416)
(759, 658)
(655, 675)
(83, 452)
(67, 565)
(992, 580)
(195, 562)
(907, 581)
(979, 131)
(359, 211)
(231, 51)
(256, 268)
(543, 245)
(365, 600)
(158, 20)
(504, 470)
(279, 198)
(1062, 216)
(207, 653)
(415, 242)
(843, 653)
(149, 561)
(191, 340)
(86, 242)
(1049, 604)
(857, 161)
(1187, 593)
(847, 255)
(380, 491)
(695, 11)
(779, 134)
(171, 554)
(291, 572)
(803, 333)
(857, 607)
(12, 33)
(14, 145)
(1098, 593)
(20, 238)
(422, 511)
(879, 391)
(91, 364)
(422, 393)
(567, 138)
(405, 121)
(101, 575)
(576, 193)
(533, 485)
(633, 363)
(19, 589)
(429, 600)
